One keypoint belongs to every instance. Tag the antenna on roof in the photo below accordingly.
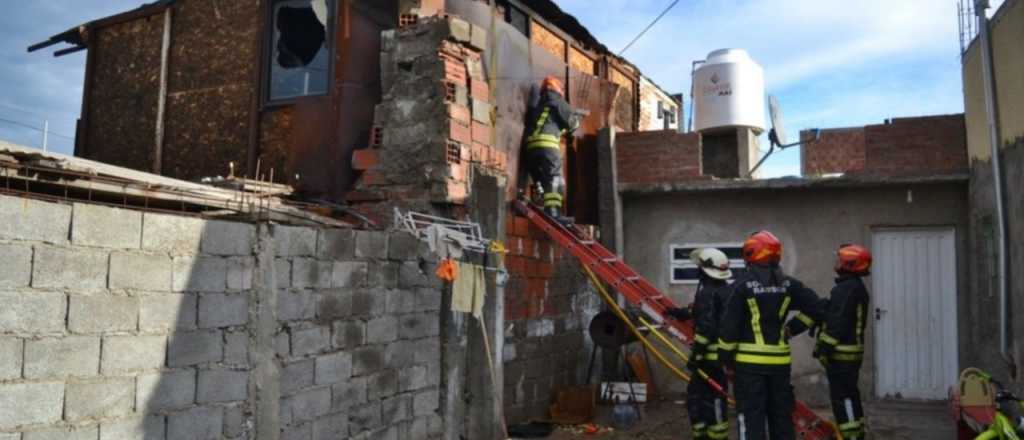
(777, 135)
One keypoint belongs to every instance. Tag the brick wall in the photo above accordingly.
(902, 146)
(658, 156)
(839, 150)
(548, 305)
(120, 324)
(917, 146)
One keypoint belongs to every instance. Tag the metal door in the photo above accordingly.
(914, 296)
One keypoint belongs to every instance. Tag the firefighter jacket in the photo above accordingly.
(752, 330)
(842, 330)
(548, 121)
(707, 308)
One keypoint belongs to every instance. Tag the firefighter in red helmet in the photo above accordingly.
(753, 340)
(840, 345)
(546, 123)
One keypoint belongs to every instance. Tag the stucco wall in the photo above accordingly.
(810, 222)
(1008, 58)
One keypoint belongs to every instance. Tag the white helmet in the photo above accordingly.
(713, 262)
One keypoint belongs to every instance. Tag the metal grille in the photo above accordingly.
(967, 24)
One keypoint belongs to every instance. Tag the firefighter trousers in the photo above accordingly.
(706, 407)
(545, 167)
(764, 403)
(845, 397)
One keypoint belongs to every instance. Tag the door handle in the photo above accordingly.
(878, 313)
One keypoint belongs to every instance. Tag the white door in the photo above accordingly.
(914, 303)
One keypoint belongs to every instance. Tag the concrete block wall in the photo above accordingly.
(119, 324)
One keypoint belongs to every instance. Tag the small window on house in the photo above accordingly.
(300, 63)
(685, 271)
(516, 17)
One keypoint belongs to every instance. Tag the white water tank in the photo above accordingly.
(728, 92)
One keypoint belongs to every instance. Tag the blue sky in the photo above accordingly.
(831, 64)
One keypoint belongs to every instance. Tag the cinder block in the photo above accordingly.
(310, 273)
(236, 348)
(36, 312)
(403, 246)
(482, 111)
(240, 273)
(16, 270)
(382, 330)
(33, 220)
(79, 433)
(336, 244)
(132, 353)
(371, 245)
(310, 341)
(413, 378)
(478, 38)
(134, 428)
(297, 376)
(382, 385)
(10, 436)
(102, 226)
(11, 352)
(349, 334)
(396, 409)
(174, 234)
(428, 351)
(283, 273)
(425, 403)
(193, 348)
(419, 326)
(228, 238)
(302, 431)
(331, 427)
(349, 394)
(200, 274)
(368, 303)
(459, 29)
(30, 404)
(294, 241)
(62, 268)
(282, 344)
(295, 305)
(349, 274)
(410, 275)
(401, 302)
(364, 418)
(90, 400)
(201, 423)
(166, 390)
(102, 313)
(167, 312)
(223, 310)
(400, 354)
(74, 356)
(334, 368)
(428, 299)
(139, 271)
(307, 405)
(367, 360)
(234, 421)
(222, 386)
(383, 275)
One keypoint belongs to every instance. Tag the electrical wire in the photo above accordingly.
(32, 127)
(656, 20)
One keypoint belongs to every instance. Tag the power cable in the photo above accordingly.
(63, 116)
(656, 20)
(32, 127)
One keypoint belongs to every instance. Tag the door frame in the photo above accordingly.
(953, 343)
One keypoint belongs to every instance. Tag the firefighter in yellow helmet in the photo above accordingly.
(546, 123)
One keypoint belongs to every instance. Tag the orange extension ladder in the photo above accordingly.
(641, 293)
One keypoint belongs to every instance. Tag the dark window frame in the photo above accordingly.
(330, 40)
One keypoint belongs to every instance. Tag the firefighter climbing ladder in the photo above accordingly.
(641, 293)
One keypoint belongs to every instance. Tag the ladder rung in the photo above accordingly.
(610, 259)
(587, 242)
(656, 297)
(633, 278)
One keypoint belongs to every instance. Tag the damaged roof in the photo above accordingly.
(78, 36)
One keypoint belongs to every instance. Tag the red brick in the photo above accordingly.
(658, 157)
(521, 226)
(373, 178)
(460, 113)
(365, 159)
(460, 133)
(480, 90)
(528, 247)
(479, 153)
(482, 133)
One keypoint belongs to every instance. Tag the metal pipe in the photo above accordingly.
(161, 106)
(980, 6)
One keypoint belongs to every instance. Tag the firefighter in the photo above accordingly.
(840, 345)
(705, 406)
(546, 123)
(754, 343)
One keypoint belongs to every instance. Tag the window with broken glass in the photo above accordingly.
(685, 271)
(301, 48)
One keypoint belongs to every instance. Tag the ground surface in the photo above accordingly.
(667, 420)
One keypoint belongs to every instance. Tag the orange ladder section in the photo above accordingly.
(641, 293)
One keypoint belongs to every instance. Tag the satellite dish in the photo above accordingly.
(778, 133)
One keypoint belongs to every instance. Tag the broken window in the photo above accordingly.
(685, 271)
(300, 63)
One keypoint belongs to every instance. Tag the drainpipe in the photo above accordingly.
(980, 6)
(161, 106)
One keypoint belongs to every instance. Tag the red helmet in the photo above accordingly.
(553, 84)
(853, 259)
(762, 248)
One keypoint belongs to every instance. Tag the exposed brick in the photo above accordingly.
(310, 273)
(166, 390)
(334, 304)
(133, 353)
(382, 385)
(658, 157)
(201, 423)
(349, 394)
(419, 326)
(74, 356)
(89, 400)
(236, 348)
(176, 235)
(333, 368)
(371, 244)
(79, 433)
(223, 310)
(16, 270)
(336, 244)
(310, 341)
(193, 348)
(61, 268)
(349, 274)
(425, 402)
(102, 313)
(101, 226)
(368, 303)
(148, 428)
(30, 403)
(331, 427)
(222, 386)
(367, 360)
(292, 241)
(296, 306)
(306, 406)
(460, 132)
(297, 375)
(349, 334)
(199, 274)
(283, 273)
(11, 352)
(36, 312)
(139, 271)
(383, 274)
(228, 238)
(365, 159)
(382, 330)
(364, 418)
(167, 312)
(33, 220)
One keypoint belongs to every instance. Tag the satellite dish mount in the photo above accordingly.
(777, 134)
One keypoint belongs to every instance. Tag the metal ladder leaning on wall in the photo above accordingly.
(641, 293)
